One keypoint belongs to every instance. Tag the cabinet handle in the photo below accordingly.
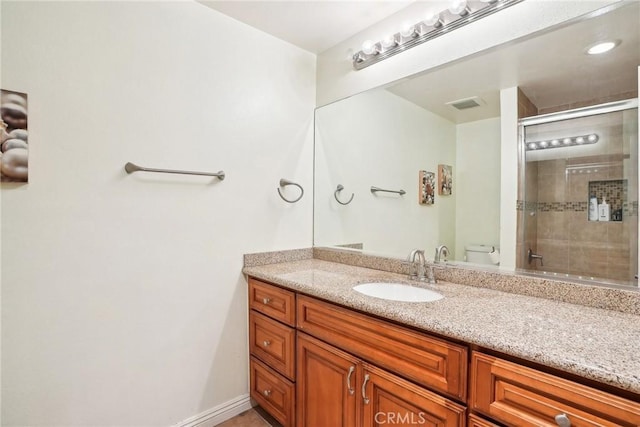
(266, 300)
(351, 370)
(364, 386)
(266, 343)
(267, 393)
(563, 420)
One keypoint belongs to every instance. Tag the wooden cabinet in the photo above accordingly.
(521, 396)
(338, 389)
(390, 400)
(328, 379)
(272, 345)
(477, 421)
(273, 392)
(430, 362)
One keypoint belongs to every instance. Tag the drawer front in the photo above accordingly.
(273, 301)
(273, 392)
(476, 421)
(430, 362)
(517, 395)
(273, 343)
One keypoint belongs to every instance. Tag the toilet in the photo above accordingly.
(482, 254)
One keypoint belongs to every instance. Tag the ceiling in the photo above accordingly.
(314, 26)
(551, 69)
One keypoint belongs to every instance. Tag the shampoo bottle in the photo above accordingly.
(604, 213)
(593, 208)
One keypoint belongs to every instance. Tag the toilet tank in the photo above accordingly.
(482, 254)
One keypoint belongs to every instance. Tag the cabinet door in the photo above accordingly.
(327, 384)
(390, 400)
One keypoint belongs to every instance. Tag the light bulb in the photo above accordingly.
(566, 141)
(579, 140)
(459, 7)
(592, 138)
(555, 142)
(388, 42)
(532, 146)
(369, 48)
(543, 144)
(408, 30)
(432, 19)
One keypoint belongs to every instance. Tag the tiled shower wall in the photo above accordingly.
(568, 241)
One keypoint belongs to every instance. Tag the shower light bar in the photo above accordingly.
(568, 141)
(459, 14)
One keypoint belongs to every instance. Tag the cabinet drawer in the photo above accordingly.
(273, 343)
(273, 392)
(273, 301)
(476, 421)
(431, 362)
(517, 395)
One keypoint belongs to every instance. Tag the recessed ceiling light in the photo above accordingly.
(602, 47)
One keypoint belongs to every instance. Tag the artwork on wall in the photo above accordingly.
(426, 188)
(14, 153)
(445, 180)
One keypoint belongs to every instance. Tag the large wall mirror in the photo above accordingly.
(417, 163)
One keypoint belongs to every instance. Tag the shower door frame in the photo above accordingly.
(608, 107)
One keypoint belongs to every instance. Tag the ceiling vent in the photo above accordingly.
(466, 103)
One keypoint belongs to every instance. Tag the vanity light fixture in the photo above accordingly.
(592, 138)
(458, 14)
(602, 47)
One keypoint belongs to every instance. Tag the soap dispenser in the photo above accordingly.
(604, 212)
(593, 208)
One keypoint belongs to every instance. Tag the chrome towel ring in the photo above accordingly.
(284, 183)
(335, 194)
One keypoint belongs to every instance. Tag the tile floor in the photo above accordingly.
(250, 418)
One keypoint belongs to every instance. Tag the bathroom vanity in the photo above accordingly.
(323, 354)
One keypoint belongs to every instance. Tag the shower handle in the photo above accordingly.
(533, 256)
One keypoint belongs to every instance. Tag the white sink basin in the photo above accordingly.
(397, 292)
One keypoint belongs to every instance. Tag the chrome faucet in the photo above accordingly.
(419, 266)
(442, 252)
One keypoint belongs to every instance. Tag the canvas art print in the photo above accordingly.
(14, 152)
(445, 180)
(426, 188)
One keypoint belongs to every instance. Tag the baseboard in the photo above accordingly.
(214, 416)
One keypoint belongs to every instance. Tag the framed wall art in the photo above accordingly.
(426, 188)
(445, 180)
(14, 143)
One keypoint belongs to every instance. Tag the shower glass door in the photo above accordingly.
(579, 194)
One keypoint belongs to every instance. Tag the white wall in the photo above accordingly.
(337, 79)
(379, 139)
(123, 301)
(509, 174)
(477, 184)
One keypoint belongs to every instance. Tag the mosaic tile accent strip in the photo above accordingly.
(629, 209)
(615, 191)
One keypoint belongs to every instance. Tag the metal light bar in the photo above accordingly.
(568, 141)
(458, 15)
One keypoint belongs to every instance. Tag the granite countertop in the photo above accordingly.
(594, 343)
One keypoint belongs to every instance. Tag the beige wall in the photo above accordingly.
(123, 301)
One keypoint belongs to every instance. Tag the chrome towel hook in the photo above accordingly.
(335, 194)
(284, 183)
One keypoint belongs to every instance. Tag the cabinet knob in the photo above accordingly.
(266, 343)
(563, 420)
(267, 393)
(266, 300)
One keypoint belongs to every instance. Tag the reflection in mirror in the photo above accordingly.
(451, 116)
(579, 215)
